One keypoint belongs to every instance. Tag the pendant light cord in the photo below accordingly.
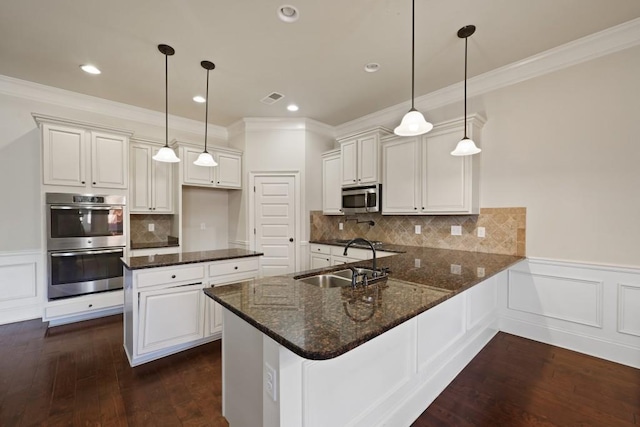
(413, 49)
(206, 115)
(166, 100)
(466, 39)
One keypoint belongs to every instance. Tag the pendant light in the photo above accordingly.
(206, 159)
(166, 154)
(466, 146)
(413, 123)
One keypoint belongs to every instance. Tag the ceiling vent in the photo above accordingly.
(272, 98)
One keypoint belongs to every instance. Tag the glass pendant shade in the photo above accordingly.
(413, 123)
(466, 147)
(166, 154)
(205, 159)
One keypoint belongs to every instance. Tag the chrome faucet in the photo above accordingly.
(365, 241)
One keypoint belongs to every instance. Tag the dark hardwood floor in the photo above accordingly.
(78, 375)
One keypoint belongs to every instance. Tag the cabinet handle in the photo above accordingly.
(423, 208)
(173, 276)
(415, 209)
(354, 180)
(218, 182)
(90, 305)
(235, 268)
(82, 182)
(149, 208)
(94, 183)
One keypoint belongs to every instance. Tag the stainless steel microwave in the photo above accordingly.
(362, 199)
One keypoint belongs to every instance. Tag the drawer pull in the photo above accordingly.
(173, 276)
(235, 268)
(90, 305)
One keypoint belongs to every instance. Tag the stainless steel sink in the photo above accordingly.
(327, 281)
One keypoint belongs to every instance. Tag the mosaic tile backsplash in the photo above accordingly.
(505, 230)
(139, 228)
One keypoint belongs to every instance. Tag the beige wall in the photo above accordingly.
(567, 147)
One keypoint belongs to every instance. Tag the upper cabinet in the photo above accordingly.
(228, 173)
(331, 185)
(151, 189)
(421, 177)
(360, 156)
(83, 155)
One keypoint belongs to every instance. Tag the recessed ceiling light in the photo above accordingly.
(288, 13)
(91, 69)
(292, 107)
(372, 67)
(200, 99)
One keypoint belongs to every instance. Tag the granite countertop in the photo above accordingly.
(323, 323)
(169, 243)
(165, 260)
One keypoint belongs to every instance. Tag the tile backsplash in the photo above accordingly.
(505, 230)
(139, 228)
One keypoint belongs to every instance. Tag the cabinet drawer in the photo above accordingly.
(171, 275)
(232, 266)
(320, 249)
(84, 304)
(357, 253)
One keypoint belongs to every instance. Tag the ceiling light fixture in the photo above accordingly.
(91, 69)
(206, 159)
(413, 123)
(288, 13)
(466, 146)
(166, 154)
(199, 99)
(292, 107)
(372, 67)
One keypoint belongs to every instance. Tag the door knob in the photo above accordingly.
(291, 239)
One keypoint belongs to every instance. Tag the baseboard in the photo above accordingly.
(597, 347)
(85, 316)
(20, 314)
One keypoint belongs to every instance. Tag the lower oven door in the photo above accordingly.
(73, 273)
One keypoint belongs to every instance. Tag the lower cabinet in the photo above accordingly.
(170, 317)
(321, 256)
(319, 261)
(166, 310)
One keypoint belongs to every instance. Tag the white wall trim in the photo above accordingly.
(68, 99)
(623, 327)
(587, 48)
(22, 286)
(240, 244)
(585, 265)
(249, 124)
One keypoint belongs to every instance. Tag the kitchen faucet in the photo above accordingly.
(365, 241)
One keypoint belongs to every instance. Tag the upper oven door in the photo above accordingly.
(80, 227)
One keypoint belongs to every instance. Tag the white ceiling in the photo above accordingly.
(316, 62)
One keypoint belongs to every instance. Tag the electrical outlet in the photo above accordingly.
(480, 272)
(203, 226)
(456, 269)
(340, 226)
(418, 229)
(456, 230)
(270, 381)
(481, 232)
(416, 262)
(151, 227)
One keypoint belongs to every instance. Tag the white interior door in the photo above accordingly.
(275, 223)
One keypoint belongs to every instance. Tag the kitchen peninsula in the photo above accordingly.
(299, 354)
(165, 310)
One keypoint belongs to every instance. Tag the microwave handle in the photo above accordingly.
(93, 208)
(108, 251)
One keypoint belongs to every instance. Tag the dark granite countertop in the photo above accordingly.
(165, 260)
(323, 323)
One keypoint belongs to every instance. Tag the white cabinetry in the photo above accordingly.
(321, 256)
(360, 155)
(166, 311)
(228, 173)
(151, 181)
(83, 155)
(421, 176)
(331, 183)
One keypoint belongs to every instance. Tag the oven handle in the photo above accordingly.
(93, 208)
(107, 251)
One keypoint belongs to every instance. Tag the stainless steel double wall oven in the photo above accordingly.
(85, 241)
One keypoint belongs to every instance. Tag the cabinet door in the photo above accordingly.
(194, 174)
(368, 160)
(161, 185)
(64, 155)
(447, 187)
(140, 191)
(229, 170)
(170, 317)
(319, 261)
(331, 188)
(109, 160)
(348, 154)
(401, 176)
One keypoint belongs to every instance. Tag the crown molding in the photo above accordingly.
(587, 48)
(249, 124)
(68, 99)
(42, 118)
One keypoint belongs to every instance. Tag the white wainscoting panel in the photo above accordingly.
(482, 302)
(560, 297)
(438, 328)
(21, 286)
(629, 309)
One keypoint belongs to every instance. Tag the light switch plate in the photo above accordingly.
(481, 232)
(151, 227)
(270, 381)
(340, 226)
(456, 269)
(456, 230)
(418, 229)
